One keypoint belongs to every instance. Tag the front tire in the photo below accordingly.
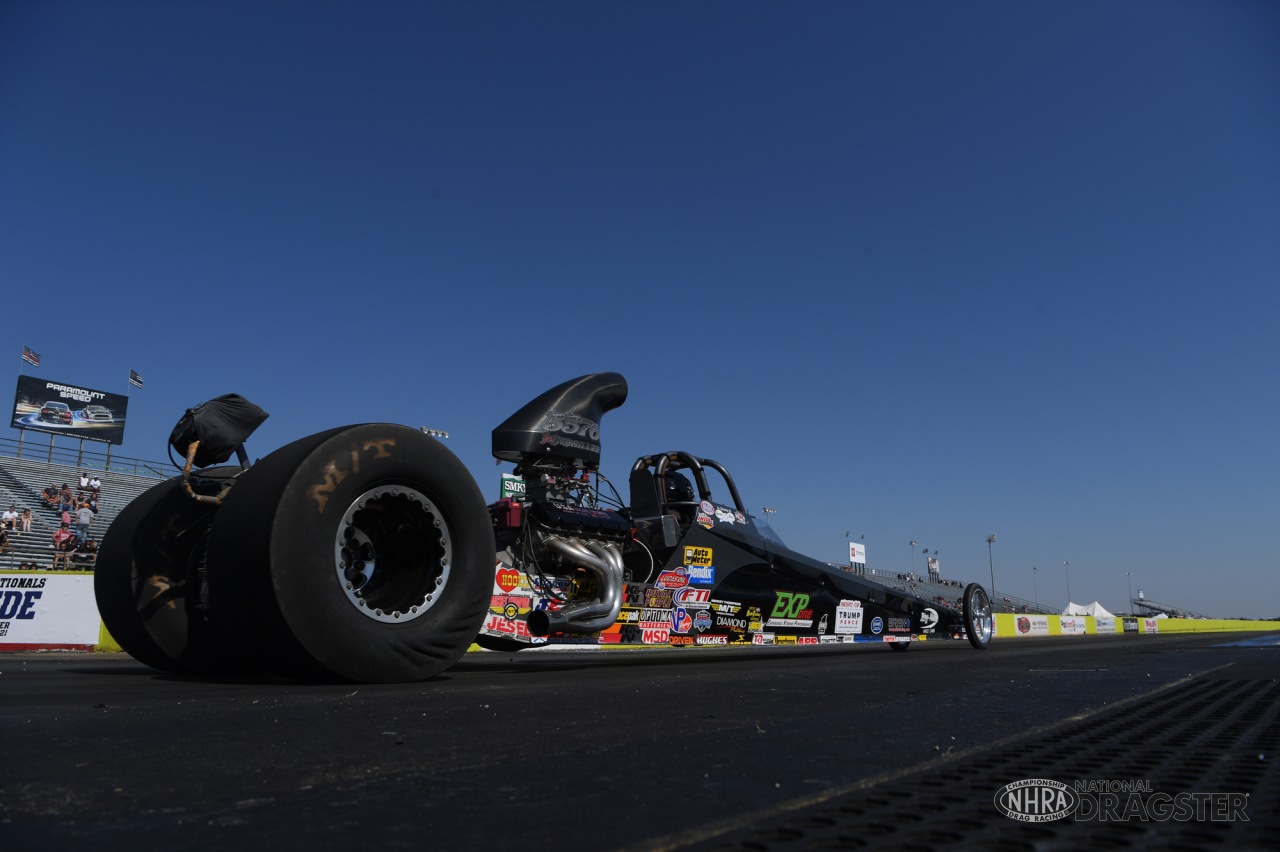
(363, 553)
(977, 616)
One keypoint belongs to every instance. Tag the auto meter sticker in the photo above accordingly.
(877, 625)
(849, 617)
(698, 556)
(928, 619)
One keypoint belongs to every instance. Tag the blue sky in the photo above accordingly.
(914, 270)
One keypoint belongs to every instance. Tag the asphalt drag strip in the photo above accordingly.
(757, 748)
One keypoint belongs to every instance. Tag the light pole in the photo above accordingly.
(435, 433)
(991, 539)
(1035, 586)
(1066, 570)
(914, 545)
(1128, 575)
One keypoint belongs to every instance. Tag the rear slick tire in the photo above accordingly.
(363, 553)
(147, 581)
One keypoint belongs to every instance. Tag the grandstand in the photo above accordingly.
(1149, 608)
(951, 593)
(22, 479)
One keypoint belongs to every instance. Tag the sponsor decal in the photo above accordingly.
(877, 625)
(791, 609)
(699, 574)
(702, 621)
(806, 640)
(701, 556)
(706, 507)
(831, 640)
(1150, 625)
(724, 515)
(656, 617)
(822, 623)
(848, 617)
(739, 624)
(741, 518)
(762, 639)
(1023, 624)
(928, 619)
(725, 606)
(680, 620)
(784, 640)
(677, 641)
(657, 598)
(655, 635)
(507, 578)
(713, 640)
(629, 616)
(755, 626)
(899, 625)
(498, 625)
(705, 520)
(690, 596)
(676, 579)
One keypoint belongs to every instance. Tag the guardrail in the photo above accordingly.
(80, 456)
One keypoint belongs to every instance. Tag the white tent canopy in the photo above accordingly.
(1095, 609)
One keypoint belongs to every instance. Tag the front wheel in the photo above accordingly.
(977, 616)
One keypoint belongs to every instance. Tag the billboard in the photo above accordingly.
(61, 409)
(857, 553)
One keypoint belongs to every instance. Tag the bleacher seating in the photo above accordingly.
(22, 480)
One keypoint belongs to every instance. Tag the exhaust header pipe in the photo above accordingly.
(605, 561)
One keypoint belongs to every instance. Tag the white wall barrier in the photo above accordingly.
(47, 610)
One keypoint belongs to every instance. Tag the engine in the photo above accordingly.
(557, 535)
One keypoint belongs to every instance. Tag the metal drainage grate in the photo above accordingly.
(1217, 736)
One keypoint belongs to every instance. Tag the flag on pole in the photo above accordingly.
(135, 379)
(30, 357)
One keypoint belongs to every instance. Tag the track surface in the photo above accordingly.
(581, 750)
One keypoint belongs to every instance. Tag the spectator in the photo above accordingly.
(93, 503)
(62, 545)
(65, 502)
(50, 496)
(4, 539)
(84, 517)
(84, 481)
(66, 516)
(26, 519)
(86, 554)
(95, 485)
(10, 517)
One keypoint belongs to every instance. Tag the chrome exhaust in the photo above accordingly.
(605, 561)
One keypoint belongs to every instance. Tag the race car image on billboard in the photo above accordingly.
(367, 553)
(63, 409)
